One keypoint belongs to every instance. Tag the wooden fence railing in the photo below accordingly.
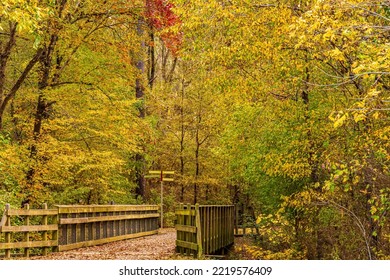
(70, 227)
(204, 230)
(35, 228)
(81, 226)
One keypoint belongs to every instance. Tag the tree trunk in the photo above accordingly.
(45, 61)
(139, 94)
(182, 137)
(197, 171)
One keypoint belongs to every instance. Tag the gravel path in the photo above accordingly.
(154, 247)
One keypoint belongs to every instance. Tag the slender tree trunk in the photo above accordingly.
(140, 93)
(4, 58)
(152, 60)
(11, 94)
(182, 139)
(41, 113)
(313, 162)
(197, 165)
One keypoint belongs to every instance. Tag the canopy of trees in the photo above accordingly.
(281, 107)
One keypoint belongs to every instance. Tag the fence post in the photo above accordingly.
(7, 234)
(55, 233)
(188, 222)
(236, 218)
(27, 234)
(179, 234)
(198, 230)
(44, 222)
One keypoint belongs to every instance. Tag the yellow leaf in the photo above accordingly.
(339, 122)
(359, 117)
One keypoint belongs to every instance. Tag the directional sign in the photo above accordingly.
(161, 174)
(152, 176)
(161, 171)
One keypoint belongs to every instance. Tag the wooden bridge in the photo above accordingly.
(69, 227)
(204, 229)
(200, 229)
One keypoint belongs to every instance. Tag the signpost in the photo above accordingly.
(161, 174)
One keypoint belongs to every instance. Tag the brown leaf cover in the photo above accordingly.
(155, 247)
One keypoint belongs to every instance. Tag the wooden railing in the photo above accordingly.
(70, 227)
(35, 228)
(81, 226)
(204, 230)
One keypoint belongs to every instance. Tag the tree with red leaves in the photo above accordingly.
(160, 16)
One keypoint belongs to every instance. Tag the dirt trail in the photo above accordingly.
(154, 247)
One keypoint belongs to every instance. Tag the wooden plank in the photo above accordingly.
(188, 245)
(208, 234)
(187, 222)
(74, 229)
(7, 235)
(62, 209)
(32, 212)
(168, 179)
(204, 228)
(179, 222)
(29, 228)
(104, 240)
(220, 229)
(231, 225)
(199, 231)
(185, 228)
(158, 172)
(27, 234)
(213, 206)
(64, 221)
(44, 234)
(29, 244)
(185, 212)
(2, 222)
(152, 176)
(55, 233)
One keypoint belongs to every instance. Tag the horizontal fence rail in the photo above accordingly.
(81, 226)
(72, 226)
(204, 229)
(28, 229)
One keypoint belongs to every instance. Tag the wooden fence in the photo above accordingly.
(81, 226)
(35, 228)
(70, 227)
(204, 230)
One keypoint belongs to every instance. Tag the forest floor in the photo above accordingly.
(154, 247)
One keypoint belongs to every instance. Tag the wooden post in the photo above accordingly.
(44, 222)
(236, 219)
(178, 222)
(27, 234)
(189, 223)
(198, 230)
(204, 229)
(244, 219)
(7, 234)
(162, 200)
(212, 232)
(55, 233)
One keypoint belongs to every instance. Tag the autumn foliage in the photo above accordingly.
(279, 107)
(161, 16)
